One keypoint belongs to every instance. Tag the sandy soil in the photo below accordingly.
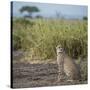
(37, 75)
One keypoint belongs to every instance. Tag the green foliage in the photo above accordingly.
(84, 70)
(29, 9)
(22, 23)
(41, 37)
(22, 34)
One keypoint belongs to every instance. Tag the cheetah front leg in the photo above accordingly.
(61, 73)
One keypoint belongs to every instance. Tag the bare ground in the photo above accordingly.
(37, 75)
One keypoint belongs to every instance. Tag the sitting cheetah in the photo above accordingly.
(66, 66)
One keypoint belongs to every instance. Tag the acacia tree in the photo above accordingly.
(29, 9)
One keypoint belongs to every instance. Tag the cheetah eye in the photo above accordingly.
(61, 49)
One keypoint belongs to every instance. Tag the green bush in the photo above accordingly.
(42, 36)
(84, 69)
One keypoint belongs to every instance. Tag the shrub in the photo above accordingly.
(44, 35)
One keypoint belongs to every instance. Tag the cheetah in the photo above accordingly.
(66, 66)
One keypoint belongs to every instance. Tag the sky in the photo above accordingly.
(49, 10)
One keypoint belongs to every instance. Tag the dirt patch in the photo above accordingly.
(36, 75)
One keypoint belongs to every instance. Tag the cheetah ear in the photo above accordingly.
(57, 46)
